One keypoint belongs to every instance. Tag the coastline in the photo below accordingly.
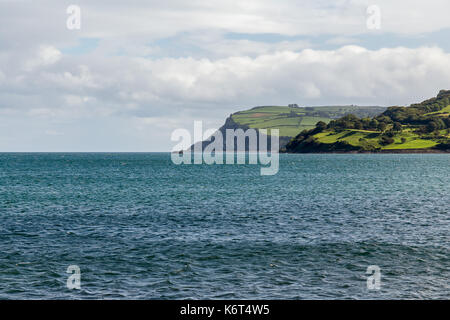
(394, 151)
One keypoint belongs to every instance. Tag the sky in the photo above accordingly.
(121, 76)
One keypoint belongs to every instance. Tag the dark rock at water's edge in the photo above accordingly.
(231, 124)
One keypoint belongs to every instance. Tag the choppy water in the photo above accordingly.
(140, 227)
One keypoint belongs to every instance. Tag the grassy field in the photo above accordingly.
(364, 137)
(291, 121)
(397, 128)
(413, 144)
(443, 112)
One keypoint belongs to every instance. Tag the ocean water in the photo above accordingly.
(140, 227)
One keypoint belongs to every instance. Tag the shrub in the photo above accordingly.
(384, 141)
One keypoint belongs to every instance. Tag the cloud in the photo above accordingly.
(167, 86)
(145, 21)
(45, 56)
(289, 17)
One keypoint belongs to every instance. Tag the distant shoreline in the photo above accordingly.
(395, 151)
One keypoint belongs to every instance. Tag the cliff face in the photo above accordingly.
(231, 124)
(289, 120)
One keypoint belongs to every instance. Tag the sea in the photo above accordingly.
(137, 226)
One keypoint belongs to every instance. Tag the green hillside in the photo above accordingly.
(423, 126)
(292, 120)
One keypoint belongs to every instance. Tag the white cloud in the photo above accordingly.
(45, 56)
(165, 86)
(138, 22)
(351, 72)
(289, 17)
